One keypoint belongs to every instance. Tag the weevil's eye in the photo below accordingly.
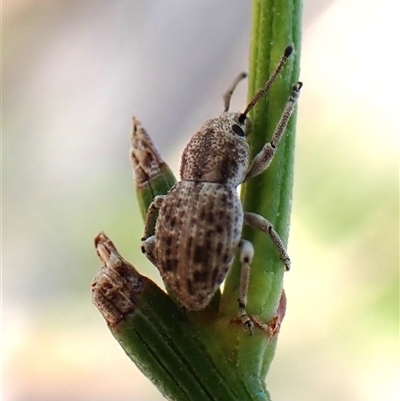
(237, 130)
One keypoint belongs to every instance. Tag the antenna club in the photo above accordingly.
(289, 50)
(261, 92)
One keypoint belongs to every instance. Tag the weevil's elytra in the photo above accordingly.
(204, 246)
(199, 225)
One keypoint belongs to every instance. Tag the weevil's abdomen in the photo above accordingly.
(198, 230)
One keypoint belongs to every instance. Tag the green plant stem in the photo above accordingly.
(275, 24)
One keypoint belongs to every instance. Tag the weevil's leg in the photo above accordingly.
(246, 256)
(256, 221)
(228, 94)
(249, 321)
(148, 248)
(264, 157)
(272, 327)
(151, 216)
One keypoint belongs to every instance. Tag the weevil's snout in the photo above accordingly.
(236, 124)
(242, 118)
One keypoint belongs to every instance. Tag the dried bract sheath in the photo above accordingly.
(152, 175)
(117, 286)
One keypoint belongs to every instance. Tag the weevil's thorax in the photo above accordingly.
(218, 152)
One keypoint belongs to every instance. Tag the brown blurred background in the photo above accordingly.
(73, 74)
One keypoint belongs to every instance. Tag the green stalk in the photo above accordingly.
(275, 24)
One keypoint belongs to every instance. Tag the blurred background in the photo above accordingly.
(74, 72)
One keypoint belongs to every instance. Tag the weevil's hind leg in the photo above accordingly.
(246, 255)
(249, 321)
(263, 159)
(152, 216)
(148, 248)
(272, 327)
(258, 222)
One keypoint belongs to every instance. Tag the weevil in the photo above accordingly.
(199, 224)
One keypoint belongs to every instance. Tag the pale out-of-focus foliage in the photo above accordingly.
(75, 72)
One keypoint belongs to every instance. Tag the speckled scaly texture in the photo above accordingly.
(197, 234)
(216, 153)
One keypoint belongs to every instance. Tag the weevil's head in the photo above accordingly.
(218, 152)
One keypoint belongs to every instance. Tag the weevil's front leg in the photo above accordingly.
(264, 157)
(256, 221)
(151, 216)
(246, 256)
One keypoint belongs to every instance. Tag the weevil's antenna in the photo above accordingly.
(228, 94)
(286, 54)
